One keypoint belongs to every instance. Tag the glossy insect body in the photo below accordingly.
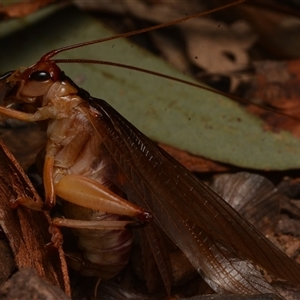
(75, 148)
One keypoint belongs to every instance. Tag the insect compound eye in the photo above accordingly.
(40, 76)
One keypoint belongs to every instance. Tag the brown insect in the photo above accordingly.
(111, 177)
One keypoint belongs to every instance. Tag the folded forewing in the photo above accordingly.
(182, 205)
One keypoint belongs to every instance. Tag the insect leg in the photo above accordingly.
(97, 225)
(50, 197)
(19, 115)
(91, 194)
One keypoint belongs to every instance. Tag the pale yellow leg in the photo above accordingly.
(50, 197)
(91, 194)
(19, 115)
(98, 225)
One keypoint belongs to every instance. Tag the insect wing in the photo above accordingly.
(181, 205)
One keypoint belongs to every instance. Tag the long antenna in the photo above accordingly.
(54, 52)
(199, 85)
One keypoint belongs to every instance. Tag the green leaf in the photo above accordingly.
(192, 119)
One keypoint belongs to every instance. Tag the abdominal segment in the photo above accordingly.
(104, 253)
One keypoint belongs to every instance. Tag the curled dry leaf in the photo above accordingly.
(27, 230)
(253, 196)
(258, 201)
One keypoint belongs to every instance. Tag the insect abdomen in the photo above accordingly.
(104, 252)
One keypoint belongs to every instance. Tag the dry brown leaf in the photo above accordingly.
(193, 162)
(277, 85)
(22, 9)
(27, 230)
